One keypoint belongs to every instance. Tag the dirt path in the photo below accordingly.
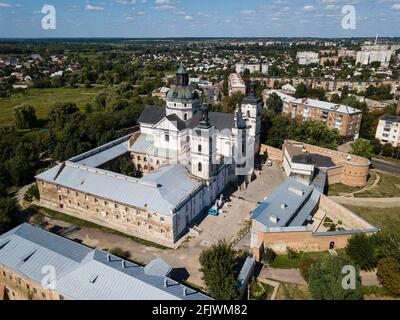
(369, 202)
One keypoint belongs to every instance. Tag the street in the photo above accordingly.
(386, 167)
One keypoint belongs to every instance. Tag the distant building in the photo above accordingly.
(332, 60)
(388, 130)
(345, 53)
(307, 58)
(39, 265)
(288, 89)
(343, 118)
(252, 67)
(370, 54)
(160, 92)
(236, 84)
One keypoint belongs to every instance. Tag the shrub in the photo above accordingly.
(120, 253)
(32, 193)
(269, 255)
(292, 254)
(305, 266)
(360, 249)
(388, 274)
(325, 280)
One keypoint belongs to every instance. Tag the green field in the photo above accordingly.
(388, 187)
(43, 99)
(386, 219)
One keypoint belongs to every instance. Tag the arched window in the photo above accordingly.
(248, 113)
(200, 167)
(185, 116)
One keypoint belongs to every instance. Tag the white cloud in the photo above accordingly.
(5, 5)
(308, 8)
(396, 7)
(162, 1)
(89, 7)
(188, 18)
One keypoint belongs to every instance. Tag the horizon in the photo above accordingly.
(148, 19)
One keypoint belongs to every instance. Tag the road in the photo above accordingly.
(386, 167)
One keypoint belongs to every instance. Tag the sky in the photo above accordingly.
(199, 18)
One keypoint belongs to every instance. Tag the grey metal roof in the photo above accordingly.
(86, 274)
(157, 267)
(103, 154)
(246, 272)
(219, 120)
(152, 115)
(161, 191)
(284, 204)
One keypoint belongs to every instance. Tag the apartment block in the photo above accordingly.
(344, 118)
(389, 130)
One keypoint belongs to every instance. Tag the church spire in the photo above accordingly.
(205, 121)
(182, 76)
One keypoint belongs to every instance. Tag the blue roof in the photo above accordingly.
(82, 273)
(288, 205)
(161, 191)
(246, 272)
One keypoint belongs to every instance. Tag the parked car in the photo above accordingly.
(213, 211)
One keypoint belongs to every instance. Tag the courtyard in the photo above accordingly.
(231, 225)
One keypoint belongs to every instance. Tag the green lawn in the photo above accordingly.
(283, 261)
(83, 223)
(288, 291)
(43, 99)
(388, 187)
(386, 219)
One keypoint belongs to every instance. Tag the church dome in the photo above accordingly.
(182, 94)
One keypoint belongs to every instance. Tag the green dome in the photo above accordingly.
(182, 94)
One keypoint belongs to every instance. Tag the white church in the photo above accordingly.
(188, 157)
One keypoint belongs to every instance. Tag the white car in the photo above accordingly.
(269, 163)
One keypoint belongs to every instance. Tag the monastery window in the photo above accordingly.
(34, 290)
(139, 158)
(151, 169)
(97, 210)
(200, 167)
(105, 203)
(146, 167)
(199, 148)
(161, 231)
(167, 137)
(117, 217)
(162, 220)
(58, 188)
(185, 116)
(150, 227)
(59, 198)
(126, 209)
(87, 207)
(158, 162)
(115, 206)
(42, 183)
(79, 204)
(4, 273)
(69, 201)
(149, 216)
(187, 139)
(144, 159)
(68, 191)
(43, 295)
(76, 194)
(248, 113)
(138, 223)
(95, 199)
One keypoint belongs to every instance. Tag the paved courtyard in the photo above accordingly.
(225, 226)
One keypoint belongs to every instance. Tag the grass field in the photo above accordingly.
(288, 291)
(283, 261)
(388, 187)
(43, 99)
(386, 219)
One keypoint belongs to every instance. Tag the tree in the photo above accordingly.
(388, 150)
(305, 266)
(218, 267)
(301, 91)
(362, 148)
(325, 280)
(376, 146)
(360, 249)
(25, 117)
(388, 274)
(8, 207)
(32, 193)
(128, 168)
(274, 102)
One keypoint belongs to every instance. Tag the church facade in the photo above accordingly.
(188, 156)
